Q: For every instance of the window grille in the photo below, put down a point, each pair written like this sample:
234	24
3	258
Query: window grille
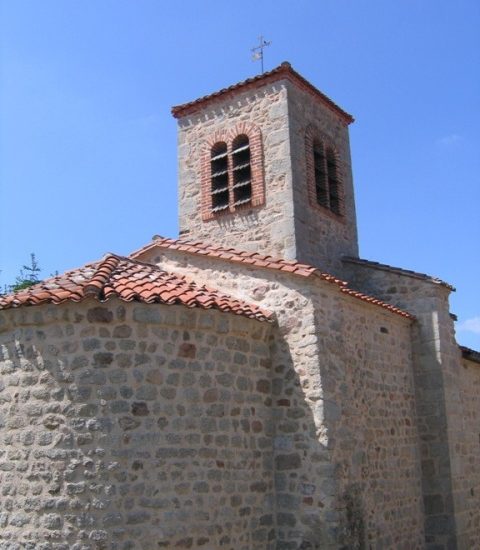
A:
323	175
242	172
333	191
320	167
219	177
232	176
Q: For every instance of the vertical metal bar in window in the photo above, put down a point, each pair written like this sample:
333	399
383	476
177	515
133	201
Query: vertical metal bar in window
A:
320	168
219	177
333	187
241	170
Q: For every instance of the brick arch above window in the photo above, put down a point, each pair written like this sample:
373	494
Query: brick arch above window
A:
324	173
245	173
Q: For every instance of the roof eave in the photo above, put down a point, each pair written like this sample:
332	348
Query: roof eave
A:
304	270
284	70
470	354
399	271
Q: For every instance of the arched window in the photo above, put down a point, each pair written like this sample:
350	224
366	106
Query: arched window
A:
232	171
219	177
242	172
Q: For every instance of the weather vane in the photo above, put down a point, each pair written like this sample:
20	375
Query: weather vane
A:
258	50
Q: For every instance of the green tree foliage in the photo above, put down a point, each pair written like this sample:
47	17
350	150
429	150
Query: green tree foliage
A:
29	275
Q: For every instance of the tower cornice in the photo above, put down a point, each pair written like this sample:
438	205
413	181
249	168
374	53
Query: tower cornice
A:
283	71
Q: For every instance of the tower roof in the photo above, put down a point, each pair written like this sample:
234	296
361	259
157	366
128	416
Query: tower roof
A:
283	71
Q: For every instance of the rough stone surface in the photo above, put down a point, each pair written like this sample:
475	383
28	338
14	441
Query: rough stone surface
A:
264	229
321	237
447	405
466	459
152	444
343	401
286	225
340	426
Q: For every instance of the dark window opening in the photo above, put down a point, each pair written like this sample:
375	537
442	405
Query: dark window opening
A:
242	173
219	177
327	184
333	182
320	174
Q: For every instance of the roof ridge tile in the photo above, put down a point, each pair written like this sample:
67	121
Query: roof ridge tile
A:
286	266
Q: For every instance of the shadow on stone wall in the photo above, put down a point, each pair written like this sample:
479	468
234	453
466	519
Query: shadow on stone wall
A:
136	434
127	427
306	513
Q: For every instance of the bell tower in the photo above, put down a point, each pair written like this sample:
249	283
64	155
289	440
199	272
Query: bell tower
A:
264	166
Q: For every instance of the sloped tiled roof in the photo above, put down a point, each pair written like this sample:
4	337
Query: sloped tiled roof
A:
129	280
401	271
284	70
376	302
238	256
259	260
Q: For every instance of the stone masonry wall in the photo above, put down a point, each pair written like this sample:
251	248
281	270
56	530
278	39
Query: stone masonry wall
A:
322	237
368	401
438	381
467	454
346	444
287	225
134	426
267	229
299	455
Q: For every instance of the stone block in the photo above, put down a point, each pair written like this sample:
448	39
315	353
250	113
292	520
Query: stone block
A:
99	315
290	461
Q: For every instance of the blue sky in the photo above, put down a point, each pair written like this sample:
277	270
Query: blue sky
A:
88	145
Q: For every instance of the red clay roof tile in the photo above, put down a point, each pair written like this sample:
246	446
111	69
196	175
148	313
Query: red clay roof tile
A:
377	302
236	256
289	266
129	280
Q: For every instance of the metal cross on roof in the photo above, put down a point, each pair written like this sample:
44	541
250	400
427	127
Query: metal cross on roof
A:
258	50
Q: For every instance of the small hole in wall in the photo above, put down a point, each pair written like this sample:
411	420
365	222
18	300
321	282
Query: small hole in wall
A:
472	492
384	330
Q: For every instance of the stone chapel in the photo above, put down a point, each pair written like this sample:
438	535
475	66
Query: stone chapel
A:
251	385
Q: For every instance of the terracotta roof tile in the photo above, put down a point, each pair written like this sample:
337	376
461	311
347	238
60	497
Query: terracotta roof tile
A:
284	70
249	258
129	280
236	256
408	272
377	302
